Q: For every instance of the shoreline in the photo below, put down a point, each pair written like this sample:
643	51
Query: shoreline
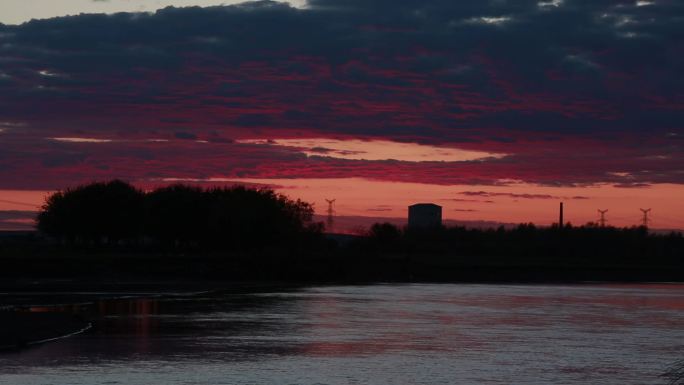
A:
163	273
22	329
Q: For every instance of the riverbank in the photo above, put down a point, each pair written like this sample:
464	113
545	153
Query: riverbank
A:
22	329
114	271
386	254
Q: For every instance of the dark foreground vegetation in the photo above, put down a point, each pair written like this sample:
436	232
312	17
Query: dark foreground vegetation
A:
115	232
589	242
175	217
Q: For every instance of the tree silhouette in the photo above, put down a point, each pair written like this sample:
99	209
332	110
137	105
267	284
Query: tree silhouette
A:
96	213
177	216
589	242
242	218
386	233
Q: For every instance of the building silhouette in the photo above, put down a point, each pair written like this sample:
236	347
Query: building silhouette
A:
424	215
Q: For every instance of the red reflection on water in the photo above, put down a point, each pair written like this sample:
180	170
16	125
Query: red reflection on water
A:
120	315
337	333
125	316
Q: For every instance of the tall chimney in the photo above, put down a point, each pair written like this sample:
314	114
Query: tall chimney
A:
560	216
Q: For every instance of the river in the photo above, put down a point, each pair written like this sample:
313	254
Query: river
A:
375	334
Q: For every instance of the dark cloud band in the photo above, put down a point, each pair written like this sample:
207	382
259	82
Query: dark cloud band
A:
575	91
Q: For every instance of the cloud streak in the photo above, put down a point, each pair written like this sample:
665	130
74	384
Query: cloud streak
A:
17	220
485	194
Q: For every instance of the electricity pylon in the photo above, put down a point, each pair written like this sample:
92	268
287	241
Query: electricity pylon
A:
331	214
602	220
645	219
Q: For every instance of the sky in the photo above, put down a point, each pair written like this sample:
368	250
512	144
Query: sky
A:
497	110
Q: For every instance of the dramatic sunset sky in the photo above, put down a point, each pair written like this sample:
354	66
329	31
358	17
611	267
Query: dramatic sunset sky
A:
495	109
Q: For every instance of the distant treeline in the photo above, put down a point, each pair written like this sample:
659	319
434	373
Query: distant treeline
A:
193	220
527	240
177	216
244	234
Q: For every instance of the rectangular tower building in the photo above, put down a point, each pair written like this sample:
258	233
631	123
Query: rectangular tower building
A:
424	215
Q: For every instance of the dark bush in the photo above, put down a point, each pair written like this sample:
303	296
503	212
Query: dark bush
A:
177	216
96	213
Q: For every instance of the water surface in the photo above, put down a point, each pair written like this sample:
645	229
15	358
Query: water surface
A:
382	334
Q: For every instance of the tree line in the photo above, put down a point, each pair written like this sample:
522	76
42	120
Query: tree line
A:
185	217
527	240
178	216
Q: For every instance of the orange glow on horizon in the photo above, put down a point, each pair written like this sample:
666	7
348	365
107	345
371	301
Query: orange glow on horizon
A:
22	200
512	203
362	197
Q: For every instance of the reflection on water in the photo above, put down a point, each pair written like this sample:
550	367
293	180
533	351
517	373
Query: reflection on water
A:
384	334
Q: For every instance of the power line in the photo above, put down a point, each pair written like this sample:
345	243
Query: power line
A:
664	220
19	203
661	215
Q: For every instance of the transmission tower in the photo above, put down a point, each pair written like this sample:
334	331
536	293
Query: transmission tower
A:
602	220
331	214
645	219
